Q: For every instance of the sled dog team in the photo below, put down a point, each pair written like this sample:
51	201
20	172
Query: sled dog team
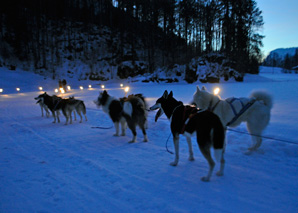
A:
55	104
208	119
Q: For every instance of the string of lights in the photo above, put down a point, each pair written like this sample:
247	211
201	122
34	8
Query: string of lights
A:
69	88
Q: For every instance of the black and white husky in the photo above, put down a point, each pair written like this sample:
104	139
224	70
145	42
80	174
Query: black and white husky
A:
67	106
187	120
130	111
255	111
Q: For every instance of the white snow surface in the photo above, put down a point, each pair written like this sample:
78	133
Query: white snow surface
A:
46	167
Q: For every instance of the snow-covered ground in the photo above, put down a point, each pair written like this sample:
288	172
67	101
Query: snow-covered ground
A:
46	167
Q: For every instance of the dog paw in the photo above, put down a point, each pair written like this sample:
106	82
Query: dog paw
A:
191	158
116	135
145	140
248	152
132	141
123	134
205	179
253	148
219	173
174	163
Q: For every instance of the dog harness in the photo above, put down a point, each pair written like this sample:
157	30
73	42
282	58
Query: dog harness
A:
56	103
180	104
230	102
188	113
243	109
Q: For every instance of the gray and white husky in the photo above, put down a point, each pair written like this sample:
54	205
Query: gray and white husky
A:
255	111
73	105
130	110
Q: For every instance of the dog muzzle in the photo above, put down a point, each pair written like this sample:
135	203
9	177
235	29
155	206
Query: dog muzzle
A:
154	107
159	112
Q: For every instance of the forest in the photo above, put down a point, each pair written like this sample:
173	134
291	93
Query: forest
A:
45	35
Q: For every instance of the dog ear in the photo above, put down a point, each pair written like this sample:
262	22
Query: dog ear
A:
198	88
171	94
204	88
165	94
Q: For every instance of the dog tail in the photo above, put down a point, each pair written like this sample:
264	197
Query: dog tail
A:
143	104
263	96
127	108
134	104
84	107
143	100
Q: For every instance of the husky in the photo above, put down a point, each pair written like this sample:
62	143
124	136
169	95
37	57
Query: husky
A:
50	102
74	112
255	111
67	106
187	120
42	106
129	111
145	106
72	105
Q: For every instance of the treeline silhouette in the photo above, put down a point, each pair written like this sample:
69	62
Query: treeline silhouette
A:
160	32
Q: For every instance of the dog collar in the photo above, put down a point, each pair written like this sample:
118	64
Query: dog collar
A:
174	111
210	108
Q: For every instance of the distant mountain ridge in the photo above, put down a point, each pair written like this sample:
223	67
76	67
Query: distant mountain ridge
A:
282	52
282	57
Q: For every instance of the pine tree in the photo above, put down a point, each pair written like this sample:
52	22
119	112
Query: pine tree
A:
287	62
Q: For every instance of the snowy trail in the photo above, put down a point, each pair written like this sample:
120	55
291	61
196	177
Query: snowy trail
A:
46	167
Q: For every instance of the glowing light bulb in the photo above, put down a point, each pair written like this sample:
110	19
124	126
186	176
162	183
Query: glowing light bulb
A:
81	88
56	90
216	91
90	86
68	88
18	89
40	88
126	89
102	86
121	85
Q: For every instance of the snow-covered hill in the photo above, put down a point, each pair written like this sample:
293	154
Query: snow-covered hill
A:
46	167
282	52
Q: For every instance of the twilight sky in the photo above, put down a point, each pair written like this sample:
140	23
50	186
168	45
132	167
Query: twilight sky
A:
281	24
